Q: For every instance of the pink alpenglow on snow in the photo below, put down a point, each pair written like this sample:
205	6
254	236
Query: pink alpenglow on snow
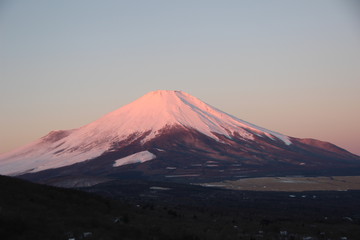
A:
149	114
138	157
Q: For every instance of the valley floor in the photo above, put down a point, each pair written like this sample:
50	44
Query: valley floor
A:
163	210
218	213
291	184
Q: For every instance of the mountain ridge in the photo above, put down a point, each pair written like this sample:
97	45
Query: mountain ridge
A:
191	128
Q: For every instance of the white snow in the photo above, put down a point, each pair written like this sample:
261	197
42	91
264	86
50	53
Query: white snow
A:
161	108
151	113
139	157
160	150
170	168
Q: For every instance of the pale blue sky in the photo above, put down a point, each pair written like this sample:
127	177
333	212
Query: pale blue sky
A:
289	66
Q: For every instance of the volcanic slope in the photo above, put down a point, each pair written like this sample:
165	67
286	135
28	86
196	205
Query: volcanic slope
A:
174	136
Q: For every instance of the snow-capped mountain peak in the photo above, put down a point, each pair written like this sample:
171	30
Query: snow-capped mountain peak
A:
148	115
161	108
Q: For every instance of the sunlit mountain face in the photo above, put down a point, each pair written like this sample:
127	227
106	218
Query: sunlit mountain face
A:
171	136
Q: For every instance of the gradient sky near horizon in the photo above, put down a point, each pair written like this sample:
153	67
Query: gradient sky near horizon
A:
289	66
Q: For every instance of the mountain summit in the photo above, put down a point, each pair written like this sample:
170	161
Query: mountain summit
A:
164	109
171	133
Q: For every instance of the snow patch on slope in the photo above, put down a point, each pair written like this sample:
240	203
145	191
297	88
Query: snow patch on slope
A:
139	157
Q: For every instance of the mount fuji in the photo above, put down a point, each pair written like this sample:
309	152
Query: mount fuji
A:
173	136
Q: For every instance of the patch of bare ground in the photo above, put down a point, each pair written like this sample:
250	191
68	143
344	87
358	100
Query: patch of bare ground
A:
291	184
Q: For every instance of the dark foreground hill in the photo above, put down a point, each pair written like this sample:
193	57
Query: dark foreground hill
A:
150	210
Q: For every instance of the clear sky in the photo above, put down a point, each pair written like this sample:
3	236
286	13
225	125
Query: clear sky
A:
289	66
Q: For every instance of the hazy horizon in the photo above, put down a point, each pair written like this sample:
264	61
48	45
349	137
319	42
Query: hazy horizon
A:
292	68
